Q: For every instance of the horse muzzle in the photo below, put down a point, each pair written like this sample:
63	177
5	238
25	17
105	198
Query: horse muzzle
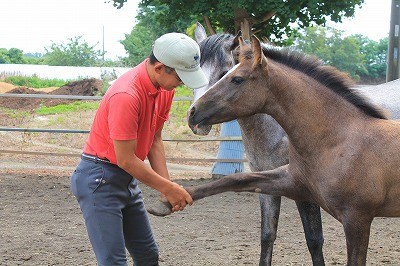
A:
194	122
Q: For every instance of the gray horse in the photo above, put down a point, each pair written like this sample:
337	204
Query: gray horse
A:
387	95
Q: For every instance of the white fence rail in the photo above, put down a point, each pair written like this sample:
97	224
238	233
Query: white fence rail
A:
80	97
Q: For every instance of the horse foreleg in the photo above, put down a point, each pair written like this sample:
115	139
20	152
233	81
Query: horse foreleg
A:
270	209
310	214
357	231
276	182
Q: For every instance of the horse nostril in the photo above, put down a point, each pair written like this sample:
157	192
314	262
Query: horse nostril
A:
192	111
190	114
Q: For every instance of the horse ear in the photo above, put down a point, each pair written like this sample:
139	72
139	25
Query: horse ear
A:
200	33
242	44
258	56
234	48
235	41
245	50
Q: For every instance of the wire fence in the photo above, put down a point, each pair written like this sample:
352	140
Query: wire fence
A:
73	131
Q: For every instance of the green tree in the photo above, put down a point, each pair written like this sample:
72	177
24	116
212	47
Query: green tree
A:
313	40
4	59
150	26
16	56
34	58
375	53
275	19
76	52
138	44
11	56
272	18
361	57
346	56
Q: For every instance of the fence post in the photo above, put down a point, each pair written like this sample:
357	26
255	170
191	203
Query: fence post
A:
229	150
393	68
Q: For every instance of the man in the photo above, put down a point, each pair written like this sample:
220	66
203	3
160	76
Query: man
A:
127	129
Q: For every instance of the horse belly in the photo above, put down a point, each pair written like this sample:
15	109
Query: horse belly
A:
384	167
391	206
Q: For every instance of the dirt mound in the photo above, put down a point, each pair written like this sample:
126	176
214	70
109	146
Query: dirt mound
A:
5	87
21	103
85	87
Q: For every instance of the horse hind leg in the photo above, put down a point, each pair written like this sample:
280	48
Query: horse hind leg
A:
310	215
270	209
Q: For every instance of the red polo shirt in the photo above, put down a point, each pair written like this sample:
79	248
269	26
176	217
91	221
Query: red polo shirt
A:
132	108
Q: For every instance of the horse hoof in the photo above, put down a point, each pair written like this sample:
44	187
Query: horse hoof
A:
162	209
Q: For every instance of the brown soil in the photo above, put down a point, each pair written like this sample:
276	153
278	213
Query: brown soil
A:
5	87
86	87
41	224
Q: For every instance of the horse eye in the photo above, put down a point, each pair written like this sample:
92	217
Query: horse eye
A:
237	80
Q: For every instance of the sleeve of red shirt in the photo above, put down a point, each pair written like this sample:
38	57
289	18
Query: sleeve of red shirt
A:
123	116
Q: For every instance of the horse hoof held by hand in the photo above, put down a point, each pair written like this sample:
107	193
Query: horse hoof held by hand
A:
160	209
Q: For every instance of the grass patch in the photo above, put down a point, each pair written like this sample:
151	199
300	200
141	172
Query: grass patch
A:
67	108
179	108
183	91
14	113
34	82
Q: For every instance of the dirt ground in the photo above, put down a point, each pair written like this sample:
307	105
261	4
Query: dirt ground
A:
41	224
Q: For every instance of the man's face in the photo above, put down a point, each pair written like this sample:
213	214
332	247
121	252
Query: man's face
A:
169	79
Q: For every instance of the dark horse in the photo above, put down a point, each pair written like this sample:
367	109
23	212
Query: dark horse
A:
266	143
343	152
266	146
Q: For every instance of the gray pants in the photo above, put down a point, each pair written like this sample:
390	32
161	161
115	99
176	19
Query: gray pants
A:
114	213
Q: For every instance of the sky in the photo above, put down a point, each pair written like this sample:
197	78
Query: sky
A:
32	25
371	20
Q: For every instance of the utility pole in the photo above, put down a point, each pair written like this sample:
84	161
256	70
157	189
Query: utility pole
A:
103	44
393	70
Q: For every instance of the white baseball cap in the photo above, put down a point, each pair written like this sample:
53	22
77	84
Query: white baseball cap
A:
179	51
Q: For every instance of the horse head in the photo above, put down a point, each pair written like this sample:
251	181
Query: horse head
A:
233	95
218	55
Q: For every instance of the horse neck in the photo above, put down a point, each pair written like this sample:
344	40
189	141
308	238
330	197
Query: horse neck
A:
265	142
306	109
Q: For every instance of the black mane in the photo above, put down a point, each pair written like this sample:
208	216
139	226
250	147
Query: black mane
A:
332	78
213	48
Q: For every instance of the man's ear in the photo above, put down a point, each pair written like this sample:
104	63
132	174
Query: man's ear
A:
158	67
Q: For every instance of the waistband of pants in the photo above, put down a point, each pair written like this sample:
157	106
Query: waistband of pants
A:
93	158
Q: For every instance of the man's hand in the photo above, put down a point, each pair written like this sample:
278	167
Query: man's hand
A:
178	197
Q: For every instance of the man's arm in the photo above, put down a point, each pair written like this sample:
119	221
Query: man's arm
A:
156	156
177	196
